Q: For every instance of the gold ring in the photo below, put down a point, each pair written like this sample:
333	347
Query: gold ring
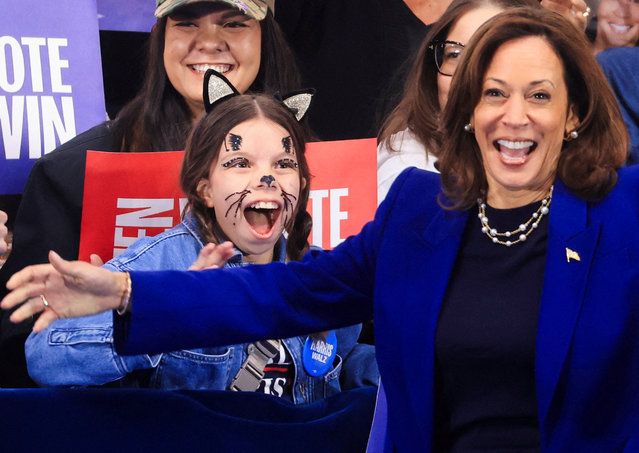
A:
44	301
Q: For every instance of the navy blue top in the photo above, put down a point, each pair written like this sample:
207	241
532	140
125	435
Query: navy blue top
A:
485	339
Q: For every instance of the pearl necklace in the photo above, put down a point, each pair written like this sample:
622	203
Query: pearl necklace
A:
523	231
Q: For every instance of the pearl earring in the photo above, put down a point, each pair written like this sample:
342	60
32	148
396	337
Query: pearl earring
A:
469	128
571	135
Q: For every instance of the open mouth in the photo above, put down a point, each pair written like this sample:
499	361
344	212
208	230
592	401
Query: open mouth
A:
514	152
202	68
262	215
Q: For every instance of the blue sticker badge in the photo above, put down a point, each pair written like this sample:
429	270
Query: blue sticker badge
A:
318	354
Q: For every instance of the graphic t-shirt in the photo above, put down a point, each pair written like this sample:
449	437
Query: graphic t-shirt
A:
278	375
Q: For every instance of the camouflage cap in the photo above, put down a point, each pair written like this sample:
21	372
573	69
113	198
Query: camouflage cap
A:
255	9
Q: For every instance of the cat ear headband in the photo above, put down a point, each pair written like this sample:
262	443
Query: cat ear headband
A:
218	89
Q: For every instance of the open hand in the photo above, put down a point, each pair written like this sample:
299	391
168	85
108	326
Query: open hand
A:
70	288
213	256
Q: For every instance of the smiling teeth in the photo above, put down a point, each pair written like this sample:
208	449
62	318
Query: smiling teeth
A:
515	145
204	67
620	28
264	205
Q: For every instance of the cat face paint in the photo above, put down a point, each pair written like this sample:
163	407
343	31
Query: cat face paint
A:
254	189
287	143
267	179
232	142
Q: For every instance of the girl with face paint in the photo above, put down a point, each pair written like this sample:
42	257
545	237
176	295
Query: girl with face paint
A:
246	179
246	45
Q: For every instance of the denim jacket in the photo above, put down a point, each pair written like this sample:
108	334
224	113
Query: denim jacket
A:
80	351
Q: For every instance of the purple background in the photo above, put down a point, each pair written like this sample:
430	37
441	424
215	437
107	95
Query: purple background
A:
126	15
77	22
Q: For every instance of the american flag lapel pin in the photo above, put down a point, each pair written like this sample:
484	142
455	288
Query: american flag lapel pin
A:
572	255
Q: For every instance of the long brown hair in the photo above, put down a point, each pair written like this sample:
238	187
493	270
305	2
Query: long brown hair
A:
587	165
158	119
203	148
419	108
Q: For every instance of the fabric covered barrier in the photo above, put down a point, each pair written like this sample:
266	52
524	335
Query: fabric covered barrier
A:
101	420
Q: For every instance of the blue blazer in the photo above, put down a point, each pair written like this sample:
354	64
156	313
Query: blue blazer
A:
397	268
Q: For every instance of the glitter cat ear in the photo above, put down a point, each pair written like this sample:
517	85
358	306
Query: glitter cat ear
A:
217	89
298	102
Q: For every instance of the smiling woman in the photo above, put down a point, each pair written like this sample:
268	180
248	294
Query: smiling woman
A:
524	120
521	121
202	36
411	136
617	24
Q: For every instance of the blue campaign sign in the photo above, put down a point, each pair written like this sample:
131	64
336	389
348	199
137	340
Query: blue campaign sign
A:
130	15
50	81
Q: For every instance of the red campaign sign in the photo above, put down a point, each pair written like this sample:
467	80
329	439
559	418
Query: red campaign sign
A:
131	195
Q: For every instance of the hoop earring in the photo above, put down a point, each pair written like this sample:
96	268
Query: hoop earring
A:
469	128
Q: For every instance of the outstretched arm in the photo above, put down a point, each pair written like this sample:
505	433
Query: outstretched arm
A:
75	288
70	288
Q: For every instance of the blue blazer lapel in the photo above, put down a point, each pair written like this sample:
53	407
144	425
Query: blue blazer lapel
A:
432	258
571	247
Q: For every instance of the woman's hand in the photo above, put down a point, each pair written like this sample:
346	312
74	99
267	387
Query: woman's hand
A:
576	11
3	232
70	288
213	256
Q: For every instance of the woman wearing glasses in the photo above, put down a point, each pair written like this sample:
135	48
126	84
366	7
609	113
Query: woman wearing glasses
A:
409	136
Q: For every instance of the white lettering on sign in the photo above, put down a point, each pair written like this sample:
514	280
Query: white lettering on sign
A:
317	199
335	215
49	120
11	50
57	64
35	62
53	125
141	219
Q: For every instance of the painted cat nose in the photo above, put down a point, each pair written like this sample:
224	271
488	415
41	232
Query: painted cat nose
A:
267	179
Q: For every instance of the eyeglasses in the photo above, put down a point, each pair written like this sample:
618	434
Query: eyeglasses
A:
447	56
